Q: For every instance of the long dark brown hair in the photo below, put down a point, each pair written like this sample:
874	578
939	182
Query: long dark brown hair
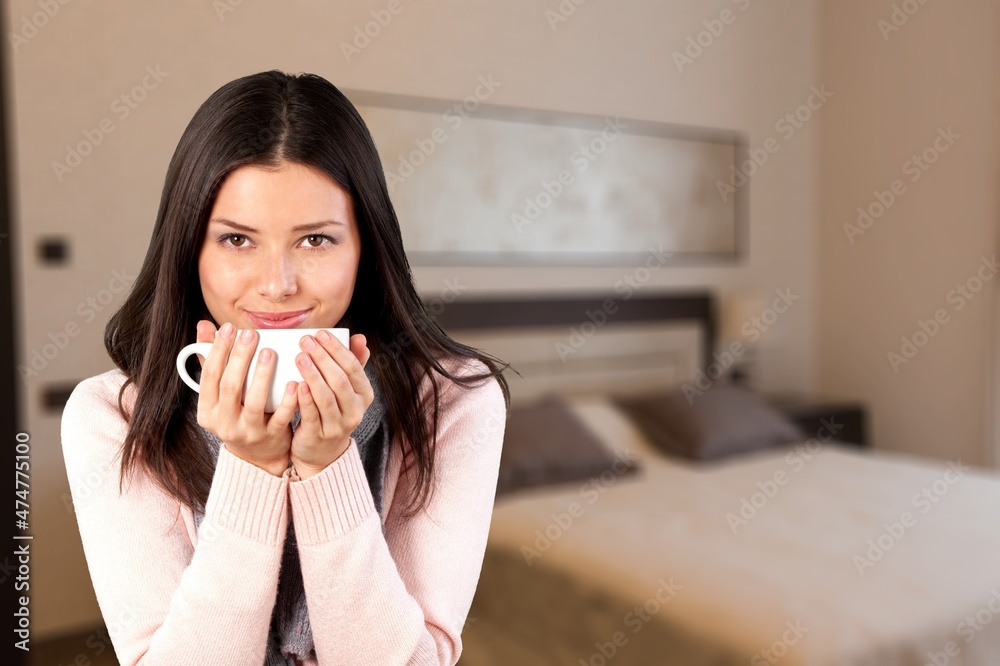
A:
264	120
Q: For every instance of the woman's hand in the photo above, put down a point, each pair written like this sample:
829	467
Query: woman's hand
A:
332	400
246	430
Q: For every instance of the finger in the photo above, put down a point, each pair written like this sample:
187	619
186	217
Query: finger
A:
215	364
333	376
326	401
359	347
235	374
205	332
348	362
285	412
260	387
308	411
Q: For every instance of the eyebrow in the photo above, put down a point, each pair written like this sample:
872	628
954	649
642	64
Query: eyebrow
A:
312	226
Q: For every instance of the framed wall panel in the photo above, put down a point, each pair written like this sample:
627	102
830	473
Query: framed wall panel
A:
474	184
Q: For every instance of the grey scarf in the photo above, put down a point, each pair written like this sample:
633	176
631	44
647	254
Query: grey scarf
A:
291	633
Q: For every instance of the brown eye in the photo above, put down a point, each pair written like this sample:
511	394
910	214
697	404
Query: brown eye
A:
316	240
237	240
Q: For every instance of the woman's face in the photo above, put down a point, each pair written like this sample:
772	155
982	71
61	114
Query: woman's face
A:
281	250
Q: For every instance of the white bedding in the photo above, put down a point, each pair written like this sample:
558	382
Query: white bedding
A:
786	587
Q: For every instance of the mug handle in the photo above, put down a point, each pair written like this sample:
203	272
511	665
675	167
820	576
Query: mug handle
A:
194	348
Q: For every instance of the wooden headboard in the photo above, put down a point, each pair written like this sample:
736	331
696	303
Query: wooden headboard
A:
589	342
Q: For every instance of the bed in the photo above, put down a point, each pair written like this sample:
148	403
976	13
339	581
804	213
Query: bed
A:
808	552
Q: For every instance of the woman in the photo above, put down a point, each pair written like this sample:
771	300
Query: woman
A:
349	526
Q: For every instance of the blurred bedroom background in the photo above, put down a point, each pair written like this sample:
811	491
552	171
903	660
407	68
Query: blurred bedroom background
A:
745	228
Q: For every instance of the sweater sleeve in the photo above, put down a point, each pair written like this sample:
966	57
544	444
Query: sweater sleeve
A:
402	598
165	600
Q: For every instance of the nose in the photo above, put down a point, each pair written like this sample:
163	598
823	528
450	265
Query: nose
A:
278	278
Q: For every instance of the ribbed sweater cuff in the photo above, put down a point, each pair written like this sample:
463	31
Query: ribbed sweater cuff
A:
247	499
333	502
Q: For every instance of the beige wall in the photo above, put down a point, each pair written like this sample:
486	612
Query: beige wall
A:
940	69
612	58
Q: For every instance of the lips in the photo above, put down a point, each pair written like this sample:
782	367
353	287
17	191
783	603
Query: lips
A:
277	319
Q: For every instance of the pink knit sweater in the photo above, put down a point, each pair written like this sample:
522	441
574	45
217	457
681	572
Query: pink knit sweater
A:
174	596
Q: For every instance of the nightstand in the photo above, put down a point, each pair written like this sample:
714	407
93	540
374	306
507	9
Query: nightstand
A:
813	413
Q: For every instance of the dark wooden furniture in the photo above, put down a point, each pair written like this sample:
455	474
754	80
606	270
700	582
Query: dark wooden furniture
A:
846	420
562	309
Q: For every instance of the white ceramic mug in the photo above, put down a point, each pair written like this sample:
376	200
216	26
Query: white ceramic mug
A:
284	342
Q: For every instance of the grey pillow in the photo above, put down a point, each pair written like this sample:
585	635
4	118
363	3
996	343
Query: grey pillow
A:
723	421
546	444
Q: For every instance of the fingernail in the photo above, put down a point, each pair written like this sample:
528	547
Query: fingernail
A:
246	336
324	335
308	343
226	330
305	361
265	355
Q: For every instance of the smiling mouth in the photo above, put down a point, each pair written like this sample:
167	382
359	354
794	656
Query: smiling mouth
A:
277	319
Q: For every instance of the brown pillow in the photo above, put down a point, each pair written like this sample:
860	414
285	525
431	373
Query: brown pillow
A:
723	421
546	444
